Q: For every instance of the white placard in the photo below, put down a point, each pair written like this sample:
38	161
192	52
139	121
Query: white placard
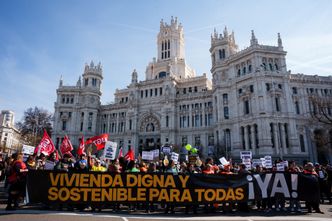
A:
280	167
29	150
247	162
110	150
256	162
246	155
166	150
49	165
147	155
263	161
155	153
223	161
175	157
268	162
321	174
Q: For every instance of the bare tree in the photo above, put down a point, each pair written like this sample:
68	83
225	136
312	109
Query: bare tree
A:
33	123
321	109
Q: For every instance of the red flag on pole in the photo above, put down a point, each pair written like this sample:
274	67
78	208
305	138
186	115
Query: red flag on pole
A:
99	141
81	148
66	146
45	146
130	155
120	153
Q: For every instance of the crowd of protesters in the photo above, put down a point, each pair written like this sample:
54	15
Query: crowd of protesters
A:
14	170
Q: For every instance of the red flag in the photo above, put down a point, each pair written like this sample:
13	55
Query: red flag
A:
130	155
120	153
99	141
45	146
81	148
66	146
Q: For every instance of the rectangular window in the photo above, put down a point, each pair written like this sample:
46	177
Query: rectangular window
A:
277	104
246	107
184	91
146	93
190	90
302	143
195	89
197	141
297	107
294	89
251	88
64	125
130	124
151	92
225	99
267	86
167	121
155	92
81	129
226	114
160	91
142	94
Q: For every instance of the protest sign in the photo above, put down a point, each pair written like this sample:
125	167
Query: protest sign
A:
147	155
156	154
175	157
280	167
110	150
28	150
223	161
247	162
166	150
256	162
268	162
246	154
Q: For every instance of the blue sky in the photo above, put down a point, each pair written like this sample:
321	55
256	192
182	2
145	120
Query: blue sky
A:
40	40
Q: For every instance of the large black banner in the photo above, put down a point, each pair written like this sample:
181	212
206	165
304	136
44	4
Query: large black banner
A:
78	188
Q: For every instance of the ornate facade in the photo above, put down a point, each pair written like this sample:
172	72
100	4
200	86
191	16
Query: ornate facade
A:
9	135
252	103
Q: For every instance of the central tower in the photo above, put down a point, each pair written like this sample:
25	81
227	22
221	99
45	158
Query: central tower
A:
170	41
171	56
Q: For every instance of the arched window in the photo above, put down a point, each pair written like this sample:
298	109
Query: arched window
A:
249	68
271	67
276	66
238	72
264	66
244	70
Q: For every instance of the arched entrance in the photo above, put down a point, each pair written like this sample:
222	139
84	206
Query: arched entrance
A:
149	133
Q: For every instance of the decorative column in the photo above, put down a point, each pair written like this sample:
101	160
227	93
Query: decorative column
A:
283	138
253	139
246	137
275	138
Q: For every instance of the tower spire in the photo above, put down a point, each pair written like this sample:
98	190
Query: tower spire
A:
225	32
60	81
253	40
279	41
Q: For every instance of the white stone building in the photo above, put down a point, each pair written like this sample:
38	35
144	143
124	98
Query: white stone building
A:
9	135
252	103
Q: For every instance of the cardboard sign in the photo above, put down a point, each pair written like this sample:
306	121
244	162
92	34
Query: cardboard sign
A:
110	150
280	167
28	150
223	161
268	162
147	155
175	157
246	155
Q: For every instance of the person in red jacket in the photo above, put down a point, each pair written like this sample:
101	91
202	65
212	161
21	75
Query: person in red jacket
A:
16	180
